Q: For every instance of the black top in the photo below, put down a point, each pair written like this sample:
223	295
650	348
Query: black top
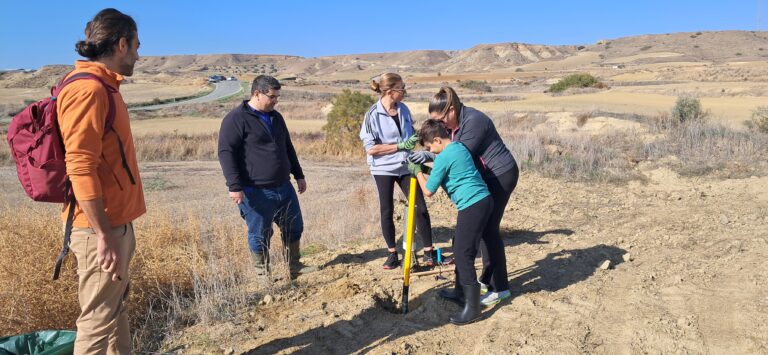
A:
478	133
396	118
250	156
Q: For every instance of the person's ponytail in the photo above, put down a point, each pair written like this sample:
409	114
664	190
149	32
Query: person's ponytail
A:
443	100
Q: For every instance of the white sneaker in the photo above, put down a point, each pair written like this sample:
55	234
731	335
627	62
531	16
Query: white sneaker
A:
492	298
483	288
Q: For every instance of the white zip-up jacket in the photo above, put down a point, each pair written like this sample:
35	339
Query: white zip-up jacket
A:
379	128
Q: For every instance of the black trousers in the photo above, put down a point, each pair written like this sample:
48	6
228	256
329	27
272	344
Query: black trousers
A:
494	260
385	185
470	229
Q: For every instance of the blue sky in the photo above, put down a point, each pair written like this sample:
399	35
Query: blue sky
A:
35	33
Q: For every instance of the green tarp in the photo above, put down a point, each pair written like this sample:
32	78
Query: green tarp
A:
45	342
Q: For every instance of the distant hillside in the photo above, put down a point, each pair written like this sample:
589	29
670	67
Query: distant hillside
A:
46	76
717	46
691	46
212	62
411	61
487	57
687	46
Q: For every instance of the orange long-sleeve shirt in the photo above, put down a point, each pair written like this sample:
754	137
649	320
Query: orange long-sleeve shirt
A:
93	158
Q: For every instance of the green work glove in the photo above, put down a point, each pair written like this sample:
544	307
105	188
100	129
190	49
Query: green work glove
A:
409	143
414	168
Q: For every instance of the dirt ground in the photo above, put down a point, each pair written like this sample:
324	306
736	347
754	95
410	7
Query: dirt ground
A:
687	257
688	274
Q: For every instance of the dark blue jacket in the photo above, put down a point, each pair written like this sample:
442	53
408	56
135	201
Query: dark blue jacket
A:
250	156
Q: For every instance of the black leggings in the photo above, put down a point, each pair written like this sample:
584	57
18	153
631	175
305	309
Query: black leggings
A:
470	225
494	260
385	185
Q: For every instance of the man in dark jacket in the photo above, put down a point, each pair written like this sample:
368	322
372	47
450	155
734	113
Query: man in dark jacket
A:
257	158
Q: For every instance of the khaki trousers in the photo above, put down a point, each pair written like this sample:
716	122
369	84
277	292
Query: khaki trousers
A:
102	327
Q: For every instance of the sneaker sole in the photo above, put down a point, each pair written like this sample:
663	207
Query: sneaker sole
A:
493	303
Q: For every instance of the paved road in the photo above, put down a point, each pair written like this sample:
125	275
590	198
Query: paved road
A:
223	89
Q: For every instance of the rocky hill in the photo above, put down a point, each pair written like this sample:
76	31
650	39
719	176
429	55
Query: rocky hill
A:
689	46
487	57
717	47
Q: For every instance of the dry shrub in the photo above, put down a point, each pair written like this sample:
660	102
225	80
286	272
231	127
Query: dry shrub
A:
581	118
688	108
583	158
344	121
759	119
578	80
476	85
660	123
702	147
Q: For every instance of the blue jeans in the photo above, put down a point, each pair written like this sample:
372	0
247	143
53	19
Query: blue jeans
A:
262	206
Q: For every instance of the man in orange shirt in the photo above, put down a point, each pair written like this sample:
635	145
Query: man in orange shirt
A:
102	167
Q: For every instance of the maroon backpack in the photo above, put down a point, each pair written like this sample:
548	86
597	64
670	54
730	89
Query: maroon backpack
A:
38	150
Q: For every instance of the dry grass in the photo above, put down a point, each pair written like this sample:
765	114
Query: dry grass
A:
700	148
606	158
5	150
184	272
760	119
203	146
190	267
7	111
581	118
732	111
145	93
176	147
30	239
165	263
695	148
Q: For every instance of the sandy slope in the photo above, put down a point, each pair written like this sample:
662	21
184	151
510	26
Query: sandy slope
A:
695	280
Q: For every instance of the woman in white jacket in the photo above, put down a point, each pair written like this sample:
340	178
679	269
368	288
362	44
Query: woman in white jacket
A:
388	136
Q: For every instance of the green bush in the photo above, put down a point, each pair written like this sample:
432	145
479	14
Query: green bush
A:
574	81
344	121
760	119
476	85
688	108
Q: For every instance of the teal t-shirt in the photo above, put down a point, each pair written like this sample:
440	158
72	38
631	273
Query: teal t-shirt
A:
455	171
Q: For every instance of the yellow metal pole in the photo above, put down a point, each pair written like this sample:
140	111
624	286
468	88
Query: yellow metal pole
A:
409	241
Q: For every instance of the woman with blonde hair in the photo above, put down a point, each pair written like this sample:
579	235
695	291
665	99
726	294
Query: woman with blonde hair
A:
498	169
388	137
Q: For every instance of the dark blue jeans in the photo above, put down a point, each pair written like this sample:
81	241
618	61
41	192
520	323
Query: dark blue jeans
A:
263	206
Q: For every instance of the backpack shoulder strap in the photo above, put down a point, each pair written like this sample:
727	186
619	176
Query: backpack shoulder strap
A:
110	120
88	76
